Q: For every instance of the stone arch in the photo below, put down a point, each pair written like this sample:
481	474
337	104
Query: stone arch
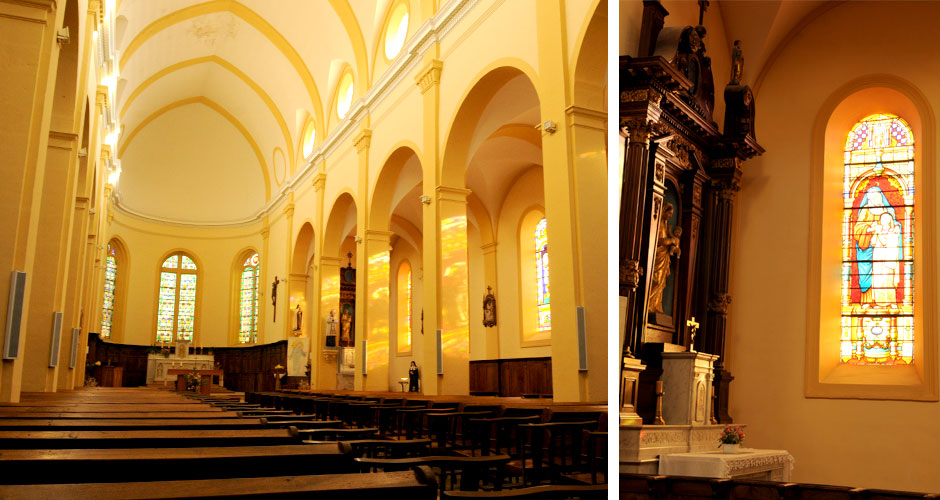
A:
387	184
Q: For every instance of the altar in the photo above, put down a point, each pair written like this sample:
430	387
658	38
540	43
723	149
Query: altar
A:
747	463
157	366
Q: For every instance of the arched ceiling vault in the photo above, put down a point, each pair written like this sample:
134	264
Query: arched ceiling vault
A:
256	63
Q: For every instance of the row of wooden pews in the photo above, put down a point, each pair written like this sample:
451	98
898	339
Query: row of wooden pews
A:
524	442
149	443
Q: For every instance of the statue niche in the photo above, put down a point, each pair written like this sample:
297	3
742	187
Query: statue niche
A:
662	282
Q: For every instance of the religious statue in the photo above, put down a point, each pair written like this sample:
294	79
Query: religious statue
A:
737	63
331	329
667	246
274	296
345	328
489	308
413	377
878	251
300	318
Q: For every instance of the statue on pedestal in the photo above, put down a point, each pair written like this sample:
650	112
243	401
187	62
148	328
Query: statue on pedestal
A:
667	246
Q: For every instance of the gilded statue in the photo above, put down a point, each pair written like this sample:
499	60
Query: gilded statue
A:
667	246
737	63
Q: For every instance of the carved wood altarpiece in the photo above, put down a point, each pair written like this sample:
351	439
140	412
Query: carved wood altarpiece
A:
677	164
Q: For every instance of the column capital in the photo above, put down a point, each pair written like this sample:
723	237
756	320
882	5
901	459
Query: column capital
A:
429	75
101	96
447	193
488	248
379	235
319	181
105	154
362	140
96	7
289	209
265	231
331	261
726	177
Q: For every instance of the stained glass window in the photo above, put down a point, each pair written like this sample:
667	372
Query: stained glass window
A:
107	308
176	308
543	302
878	243
248	300
404	308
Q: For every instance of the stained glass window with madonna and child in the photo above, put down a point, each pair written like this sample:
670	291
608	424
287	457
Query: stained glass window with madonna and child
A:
878	243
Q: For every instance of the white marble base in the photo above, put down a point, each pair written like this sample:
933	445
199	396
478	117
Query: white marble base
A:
747	463
642	445
157	366
687	387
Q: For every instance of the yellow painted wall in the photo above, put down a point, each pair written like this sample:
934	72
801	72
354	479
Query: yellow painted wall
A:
215	250
525	194
879	444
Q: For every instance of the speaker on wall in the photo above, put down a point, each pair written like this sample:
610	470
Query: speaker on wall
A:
76	332
56	336
440	353
364	358
582	341
11	338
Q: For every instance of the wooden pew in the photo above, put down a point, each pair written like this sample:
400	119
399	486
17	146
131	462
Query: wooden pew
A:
17	440
548	492
77	424
167	464
384	448
124	414
419	484
472	471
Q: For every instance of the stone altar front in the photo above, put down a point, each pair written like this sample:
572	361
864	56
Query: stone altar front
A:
642	445
747	463
157	366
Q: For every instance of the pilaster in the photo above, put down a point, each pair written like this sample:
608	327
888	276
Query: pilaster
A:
361	142
492	280
377	251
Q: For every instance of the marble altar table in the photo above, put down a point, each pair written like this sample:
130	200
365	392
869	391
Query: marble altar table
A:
747	463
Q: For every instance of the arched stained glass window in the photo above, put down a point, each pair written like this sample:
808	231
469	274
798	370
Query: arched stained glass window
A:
248	300
878	243
541	272
107	307
176	311
404	308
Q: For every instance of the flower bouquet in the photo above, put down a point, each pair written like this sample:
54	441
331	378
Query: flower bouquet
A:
731	438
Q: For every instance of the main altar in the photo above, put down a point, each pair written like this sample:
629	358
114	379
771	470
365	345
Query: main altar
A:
158	365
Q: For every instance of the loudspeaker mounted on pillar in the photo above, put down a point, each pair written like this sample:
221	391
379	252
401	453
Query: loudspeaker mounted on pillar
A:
11	339
582	341
440	353
74	357
364	358
56	337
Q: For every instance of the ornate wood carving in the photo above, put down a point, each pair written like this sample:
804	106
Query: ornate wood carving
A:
667	96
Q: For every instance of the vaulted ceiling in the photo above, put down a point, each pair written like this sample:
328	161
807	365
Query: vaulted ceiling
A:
213	96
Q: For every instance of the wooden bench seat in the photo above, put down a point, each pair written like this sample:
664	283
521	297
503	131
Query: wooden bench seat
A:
334	434
548	492
16	440
417	485
471	471
120	414
167	464
304	424
128	423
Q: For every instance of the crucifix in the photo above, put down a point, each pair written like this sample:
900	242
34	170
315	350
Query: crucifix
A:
702	7
693	326
274	296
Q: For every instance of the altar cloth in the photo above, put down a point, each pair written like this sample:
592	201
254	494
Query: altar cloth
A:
747	463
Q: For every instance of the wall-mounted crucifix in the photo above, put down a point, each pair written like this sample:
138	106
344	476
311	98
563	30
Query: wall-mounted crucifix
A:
274	296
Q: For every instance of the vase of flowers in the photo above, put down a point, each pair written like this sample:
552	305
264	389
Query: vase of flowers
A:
730	439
